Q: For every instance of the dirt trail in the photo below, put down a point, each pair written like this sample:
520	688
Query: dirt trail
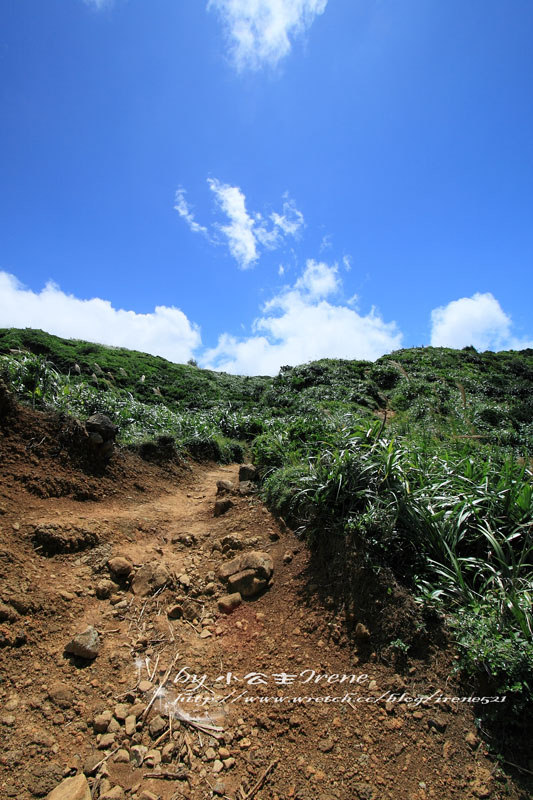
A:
339	741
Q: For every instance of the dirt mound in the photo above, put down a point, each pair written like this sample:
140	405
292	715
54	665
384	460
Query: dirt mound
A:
268	699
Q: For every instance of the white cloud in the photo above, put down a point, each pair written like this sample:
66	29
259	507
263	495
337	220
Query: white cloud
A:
244	233
299	325
478	320
260	31
183	209
164	332
239	232
318	280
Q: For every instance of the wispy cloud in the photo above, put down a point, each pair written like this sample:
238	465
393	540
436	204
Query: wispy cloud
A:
239	231
166	331
245	233
260	31
98	3
183	209
479	321
301	323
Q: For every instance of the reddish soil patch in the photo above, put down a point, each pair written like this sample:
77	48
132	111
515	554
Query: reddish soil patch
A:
344	738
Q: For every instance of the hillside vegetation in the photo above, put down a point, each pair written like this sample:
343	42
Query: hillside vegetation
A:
413	473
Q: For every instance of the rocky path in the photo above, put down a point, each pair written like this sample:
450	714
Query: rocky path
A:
168	696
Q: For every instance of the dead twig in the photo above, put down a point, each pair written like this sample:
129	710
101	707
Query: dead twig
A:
260	781
180	775
104	759
161	685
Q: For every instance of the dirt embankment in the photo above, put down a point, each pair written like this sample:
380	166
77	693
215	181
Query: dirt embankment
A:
169	696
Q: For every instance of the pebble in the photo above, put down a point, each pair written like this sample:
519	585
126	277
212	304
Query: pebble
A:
157	726
122	756
152	758
138	751
130	725
116	793
85	644
218	766
145	686
122	710
107	740
101	721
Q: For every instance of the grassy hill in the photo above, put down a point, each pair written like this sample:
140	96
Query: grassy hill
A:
411	474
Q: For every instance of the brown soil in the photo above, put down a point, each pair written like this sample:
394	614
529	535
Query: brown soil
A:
62	519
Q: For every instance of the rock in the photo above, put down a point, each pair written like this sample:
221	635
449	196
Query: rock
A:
116	793
229	602
361	632
101	721
184	580
106	740
75	788
157	726
247	583
91	763
210	754
145	686
175	611
85	645
229	762
190	610
152	758
247	472
260	562
61	695
149	578
219	788
146	795
122	756
130	725
137	753
122	710
105	588
326	745
120	566
224	487
472	740
246	488
221	507
287	558
231	542
101	424
438	722
218	766
7	614
229	568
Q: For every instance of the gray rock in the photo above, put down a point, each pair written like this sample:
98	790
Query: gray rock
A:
85	644
224	487
101	424
247	472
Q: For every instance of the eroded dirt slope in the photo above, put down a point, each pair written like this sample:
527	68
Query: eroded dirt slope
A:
123	718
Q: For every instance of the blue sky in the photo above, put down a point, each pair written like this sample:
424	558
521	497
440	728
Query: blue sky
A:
255	183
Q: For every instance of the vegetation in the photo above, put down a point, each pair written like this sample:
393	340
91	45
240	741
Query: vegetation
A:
417	467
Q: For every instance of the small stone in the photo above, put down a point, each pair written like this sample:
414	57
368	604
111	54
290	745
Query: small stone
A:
219	788
287	558
175	611
105	588
223	752
137	754
438	722
75	788
229	602
130	725
205	634
85	645
91	763
245	743
157	726
122	756
122	710
218	766
120	566
229	762
107	740
185	580
152	758
114	726
146	795
101	721
326	745
210	754
247	472
221	507
116	793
